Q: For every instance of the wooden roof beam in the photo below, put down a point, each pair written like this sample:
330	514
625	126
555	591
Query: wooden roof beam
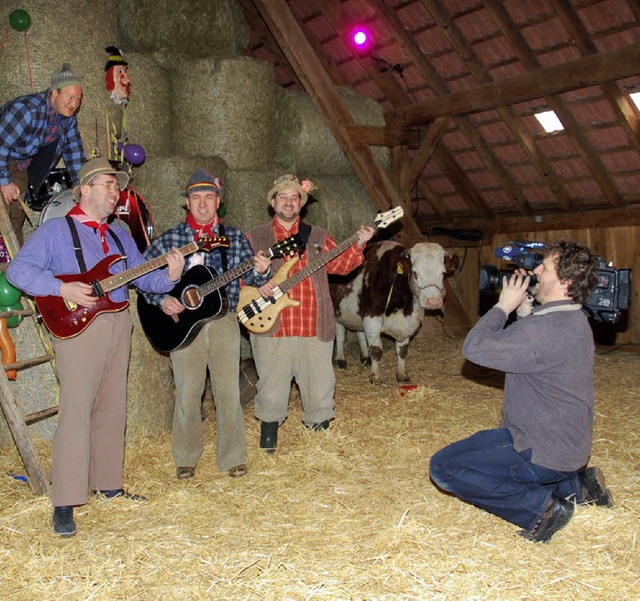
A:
397	96
621	103
461	182
587	71
511	120
423	154
315	79
530	61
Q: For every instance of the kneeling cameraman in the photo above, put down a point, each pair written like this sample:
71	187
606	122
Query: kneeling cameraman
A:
531	470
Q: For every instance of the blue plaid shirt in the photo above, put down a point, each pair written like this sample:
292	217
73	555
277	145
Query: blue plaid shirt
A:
26	125
239	252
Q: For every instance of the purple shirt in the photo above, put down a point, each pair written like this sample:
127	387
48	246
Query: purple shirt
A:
49	252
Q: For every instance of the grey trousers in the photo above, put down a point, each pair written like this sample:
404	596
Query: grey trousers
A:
217	346
308	360
88	446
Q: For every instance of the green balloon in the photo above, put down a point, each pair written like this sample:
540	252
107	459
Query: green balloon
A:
13	322
20	20
9	294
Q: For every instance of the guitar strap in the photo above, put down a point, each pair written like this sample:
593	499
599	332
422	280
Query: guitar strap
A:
304	231
223	250
78	248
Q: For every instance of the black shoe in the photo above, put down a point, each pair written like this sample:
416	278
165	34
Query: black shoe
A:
594	488
269	436
119	492
555	517
63	522
321	426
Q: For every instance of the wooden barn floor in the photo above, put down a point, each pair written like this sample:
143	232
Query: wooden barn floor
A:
344	514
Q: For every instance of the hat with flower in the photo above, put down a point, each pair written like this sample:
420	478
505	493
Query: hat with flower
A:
291	182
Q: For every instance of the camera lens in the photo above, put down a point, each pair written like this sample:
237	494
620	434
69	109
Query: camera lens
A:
490	279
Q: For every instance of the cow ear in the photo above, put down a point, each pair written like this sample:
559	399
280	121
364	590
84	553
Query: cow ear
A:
451	262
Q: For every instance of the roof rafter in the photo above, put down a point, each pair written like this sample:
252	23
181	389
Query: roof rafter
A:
515	125
309	69
581	73
531	62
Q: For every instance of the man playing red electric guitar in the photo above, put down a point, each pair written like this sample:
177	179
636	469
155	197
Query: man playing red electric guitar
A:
88	448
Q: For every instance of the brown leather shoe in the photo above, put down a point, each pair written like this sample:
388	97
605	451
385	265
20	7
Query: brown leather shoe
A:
183	473
238	471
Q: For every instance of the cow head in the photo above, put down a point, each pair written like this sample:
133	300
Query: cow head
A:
427	274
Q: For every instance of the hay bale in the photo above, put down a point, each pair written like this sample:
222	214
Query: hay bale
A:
305	142
334	195
161	180
225	109
94	26
150	388
149	108
179	31
246	196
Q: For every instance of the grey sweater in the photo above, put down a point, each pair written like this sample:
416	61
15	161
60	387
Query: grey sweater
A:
548	359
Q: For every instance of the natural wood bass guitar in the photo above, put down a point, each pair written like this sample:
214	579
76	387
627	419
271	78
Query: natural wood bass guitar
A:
200	291
259	314
66	319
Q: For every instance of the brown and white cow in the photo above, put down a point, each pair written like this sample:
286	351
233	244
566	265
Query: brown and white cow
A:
389	295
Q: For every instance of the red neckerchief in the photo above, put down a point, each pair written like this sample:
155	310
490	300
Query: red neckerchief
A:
79	215
199	229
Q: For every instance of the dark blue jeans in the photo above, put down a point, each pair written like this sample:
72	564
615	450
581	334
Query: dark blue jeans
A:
488	472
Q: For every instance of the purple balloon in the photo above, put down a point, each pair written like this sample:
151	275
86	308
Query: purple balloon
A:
134	154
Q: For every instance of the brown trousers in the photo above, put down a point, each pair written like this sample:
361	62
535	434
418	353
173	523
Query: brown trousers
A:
88	447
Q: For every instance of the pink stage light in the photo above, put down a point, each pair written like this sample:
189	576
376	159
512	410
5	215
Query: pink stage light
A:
361	39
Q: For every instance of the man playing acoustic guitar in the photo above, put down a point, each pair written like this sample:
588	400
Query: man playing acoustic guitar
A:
217	343
92	362
300	346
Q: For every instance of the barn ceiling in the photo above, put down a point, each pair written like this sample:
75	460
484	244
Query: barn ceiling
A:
460	82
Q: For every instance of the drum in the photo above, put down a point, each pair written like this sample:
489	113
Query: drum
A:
58	206
56	182
131	211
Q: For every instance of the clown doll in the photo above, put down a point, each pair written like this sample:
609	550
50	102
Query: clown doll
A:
119	85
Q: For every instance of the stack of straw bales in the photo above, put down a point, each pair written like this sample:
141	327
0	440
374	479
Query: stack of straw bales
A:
196	101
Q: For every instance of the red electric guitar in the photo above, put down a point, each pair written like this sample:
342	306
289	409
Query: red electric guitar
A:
65	319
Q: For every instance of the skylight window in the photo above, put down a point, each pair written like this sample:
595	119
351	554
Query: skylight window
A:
635	98
549	121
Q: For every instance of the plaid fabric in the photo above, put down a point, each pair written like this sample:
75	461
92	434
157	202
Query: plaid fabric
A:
239	252
28	123
302	320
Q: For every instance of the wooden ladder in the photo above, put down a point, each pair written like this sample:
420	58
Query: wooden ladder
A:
17	422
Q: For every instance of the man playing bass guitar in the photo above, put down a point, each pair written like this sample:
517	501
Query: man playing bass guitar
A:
301	345
217	343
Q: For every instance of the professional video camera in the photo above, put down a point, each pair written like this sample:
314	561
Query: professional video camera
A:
611	295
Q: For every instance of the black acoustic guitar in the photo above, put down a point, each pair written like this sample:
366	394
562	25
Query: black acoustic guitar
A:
201	291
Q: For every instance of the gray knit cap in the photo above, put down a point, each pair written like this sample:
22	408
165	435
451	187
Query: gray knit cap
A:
65	77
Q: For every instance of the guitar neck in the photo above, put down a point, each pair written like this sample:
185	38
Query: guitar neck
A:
126	276
226	277
319	262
